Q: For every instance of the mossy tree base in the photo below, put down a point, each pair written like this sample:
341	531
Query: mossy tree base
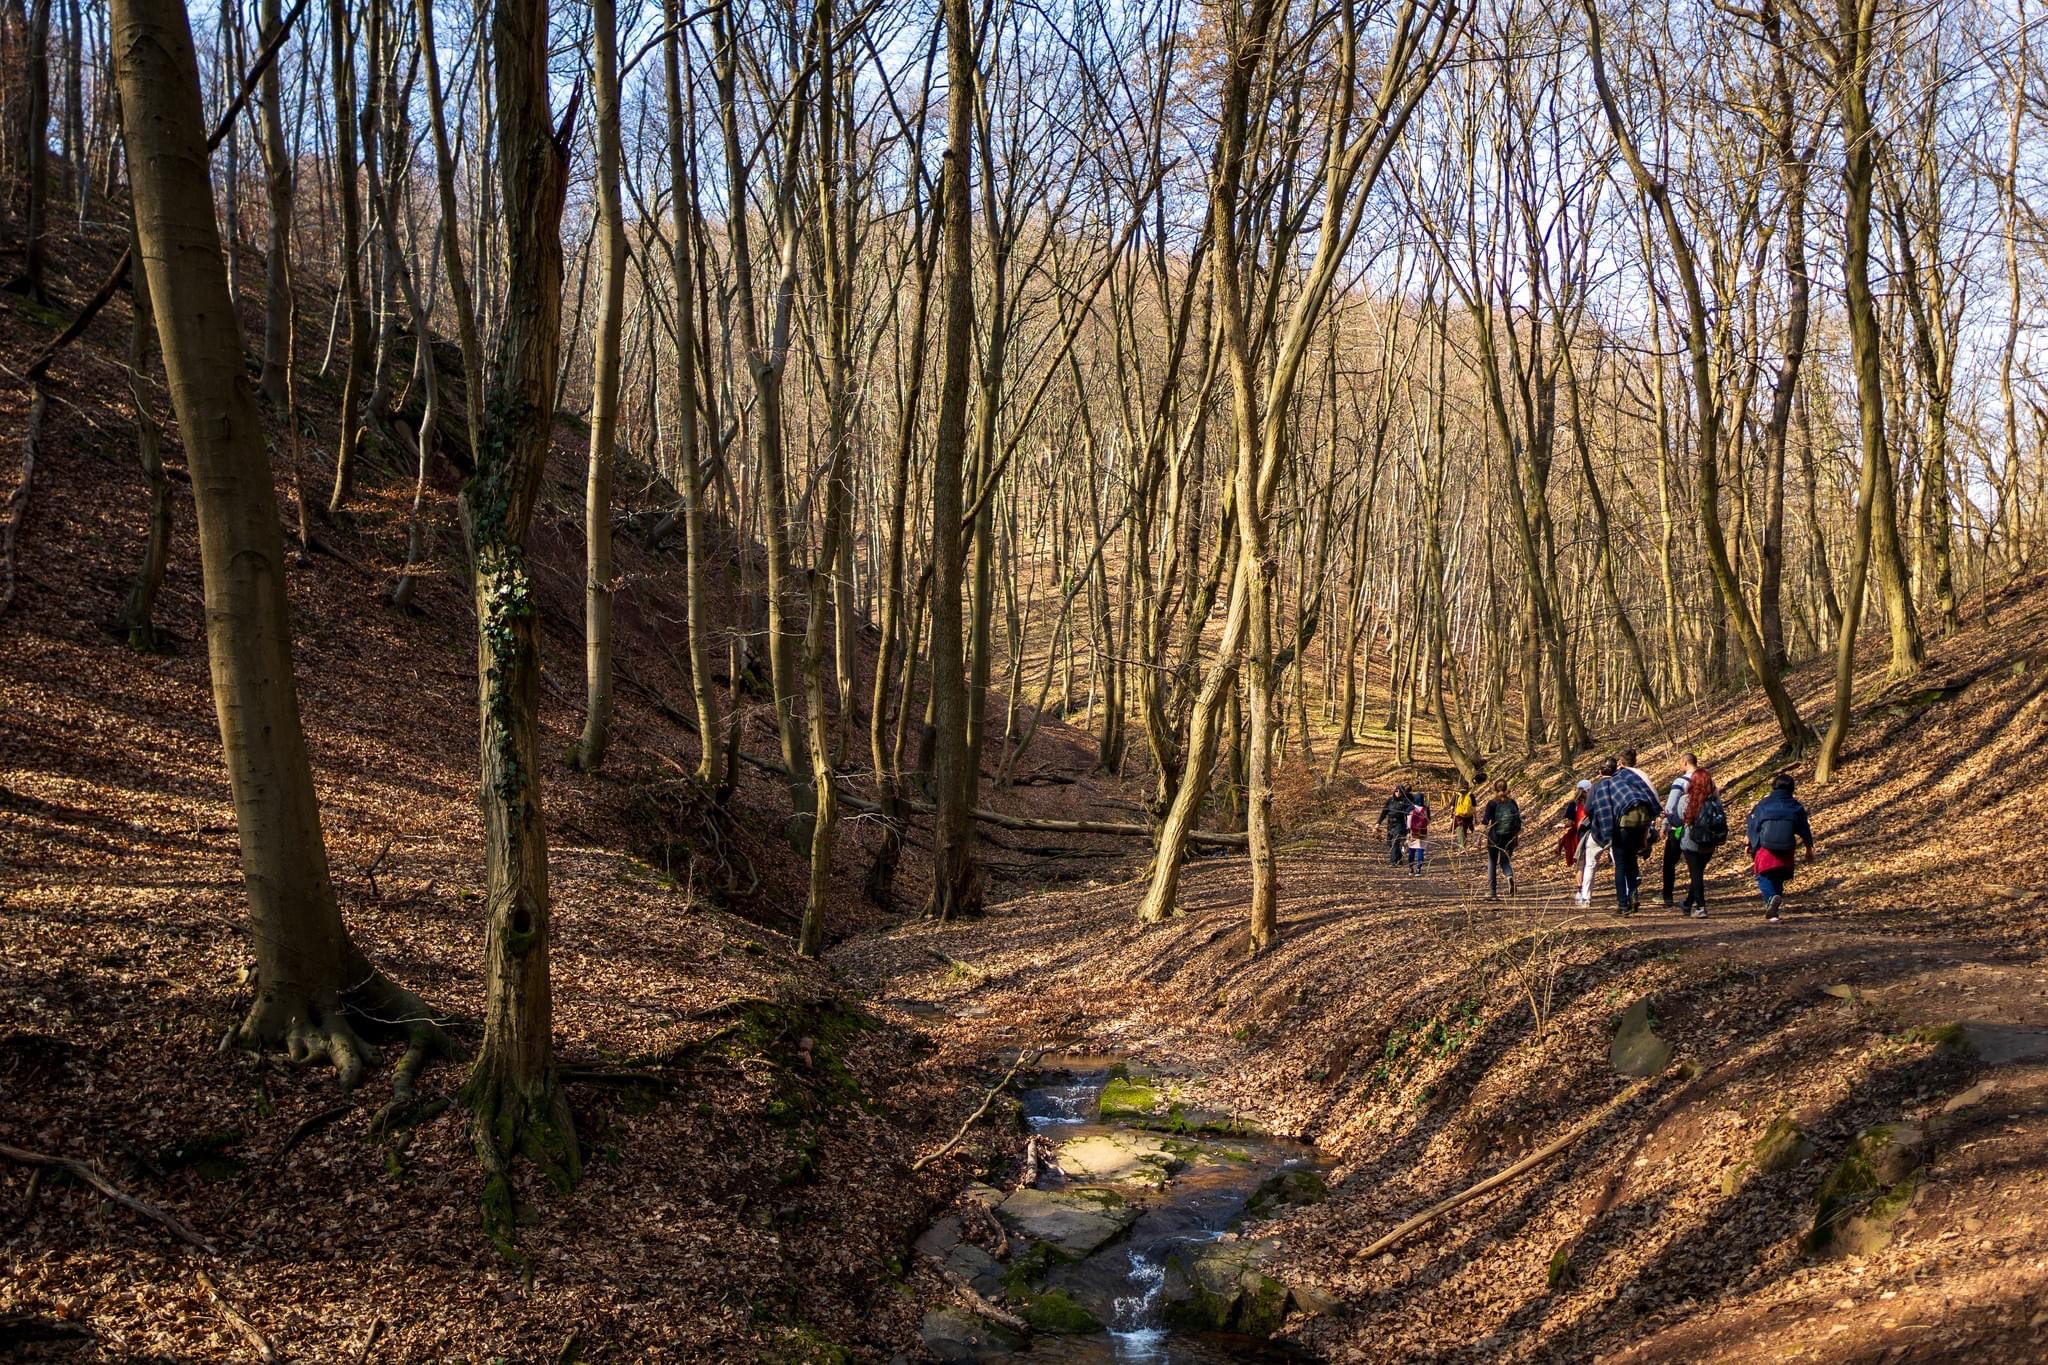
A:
512	1119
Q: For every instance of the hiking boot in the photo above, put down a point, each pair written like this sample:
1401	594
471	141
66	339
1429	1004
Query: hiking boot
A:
1775	911
1511	886
1669	903
1697	912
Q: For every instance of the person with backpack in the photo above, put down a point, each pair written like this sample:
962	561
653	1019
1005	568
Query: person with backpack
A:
1464	808
1394	816
1621	810
1503	821
1703	827
1777	824
1573	841
1418	834
1674	825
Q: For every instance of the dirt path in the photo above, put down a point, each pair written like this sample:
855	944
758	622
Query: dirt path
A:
1424	1038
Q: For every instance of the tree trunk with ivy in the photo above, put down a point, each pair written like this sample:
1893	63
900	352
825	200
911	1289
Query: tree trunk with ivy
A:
315	991
519	1106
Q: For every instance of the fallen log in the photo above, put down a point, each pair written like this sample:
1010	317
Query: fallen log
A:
1029	1058
1508	1176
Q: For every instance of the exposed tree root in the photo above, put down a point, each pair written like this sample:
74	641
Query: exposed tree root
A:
112	1191
309	1027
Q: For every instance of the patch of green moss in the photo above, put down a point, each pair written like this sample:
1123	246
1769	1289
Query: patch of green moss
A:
1560	1267
1782	1145
1124	1098
1294	1187
1263	1309
1055	1312
805	1345
1029	1270
1870	1185
1938	1035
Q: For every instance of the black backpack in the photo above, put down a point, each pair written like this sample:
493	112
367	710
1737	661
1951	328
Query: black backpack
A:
1709	829
1507	823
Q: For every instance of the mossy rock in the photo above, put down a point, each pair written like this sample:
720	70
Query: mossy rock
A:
803	1345
1029	1269
952	1335
1637	1050
1126	1099
1948	1036
1292	1188
1784	1144
1055	1312
1868	1189
1223	1287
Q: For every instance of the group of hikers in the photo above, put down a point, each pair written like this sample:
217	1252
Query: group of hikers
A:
1616	817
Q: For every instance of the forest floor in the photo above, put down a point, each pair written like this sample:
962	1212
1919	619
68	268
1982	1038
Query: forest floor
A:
1424	1039
752	1119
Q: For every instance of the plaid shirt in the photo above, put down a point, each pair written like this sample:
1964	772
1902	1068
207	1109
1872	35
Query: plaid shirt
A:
1610	797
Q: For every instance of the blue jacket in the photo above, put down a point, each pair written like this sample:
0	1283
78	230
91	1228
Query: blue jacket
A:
1777	823
1610	797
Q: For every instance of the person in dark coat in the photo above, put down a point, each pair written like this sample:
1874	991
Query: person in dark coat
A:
1620	810
1777	824
1394	816
1502	819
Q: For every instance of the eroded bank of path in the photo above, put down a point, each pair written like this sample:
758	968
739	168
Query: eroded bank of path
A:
1133	1239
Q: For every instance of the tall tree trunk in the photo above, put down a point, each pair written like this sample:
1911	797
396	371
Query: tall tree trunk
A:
956	883
137	621
604	398
836	248
683	182
1875	488
33	281
356	361
315	990
277	184
520	1108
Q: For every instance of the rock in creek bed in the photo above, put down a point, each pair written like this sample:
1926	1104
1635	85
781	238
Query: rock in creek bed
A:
1075	1223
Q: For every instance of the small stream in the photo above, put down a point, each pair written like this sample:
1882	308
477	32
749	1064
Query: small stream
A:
1122	1283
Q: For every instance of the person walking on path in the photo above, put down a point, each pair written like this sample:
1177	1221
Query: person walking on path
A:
1674	825
1418	834
1572	843
1621	809
1503	821
1703	827
1394	815
1464	807
1777	824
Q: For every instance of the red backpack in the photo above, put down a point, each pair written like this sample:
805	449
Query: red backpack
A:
1418	821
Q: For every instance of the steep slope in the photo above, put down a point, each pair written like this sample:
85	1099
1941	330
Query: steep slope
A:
751	1128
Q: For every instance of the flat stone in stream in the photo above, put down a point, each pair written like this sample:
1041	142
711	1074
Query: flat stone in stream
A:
1074	1223
1121	1158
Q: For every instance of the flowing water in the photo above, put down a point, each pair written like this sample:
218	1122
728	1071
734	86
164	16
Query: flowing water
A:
1122	1284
